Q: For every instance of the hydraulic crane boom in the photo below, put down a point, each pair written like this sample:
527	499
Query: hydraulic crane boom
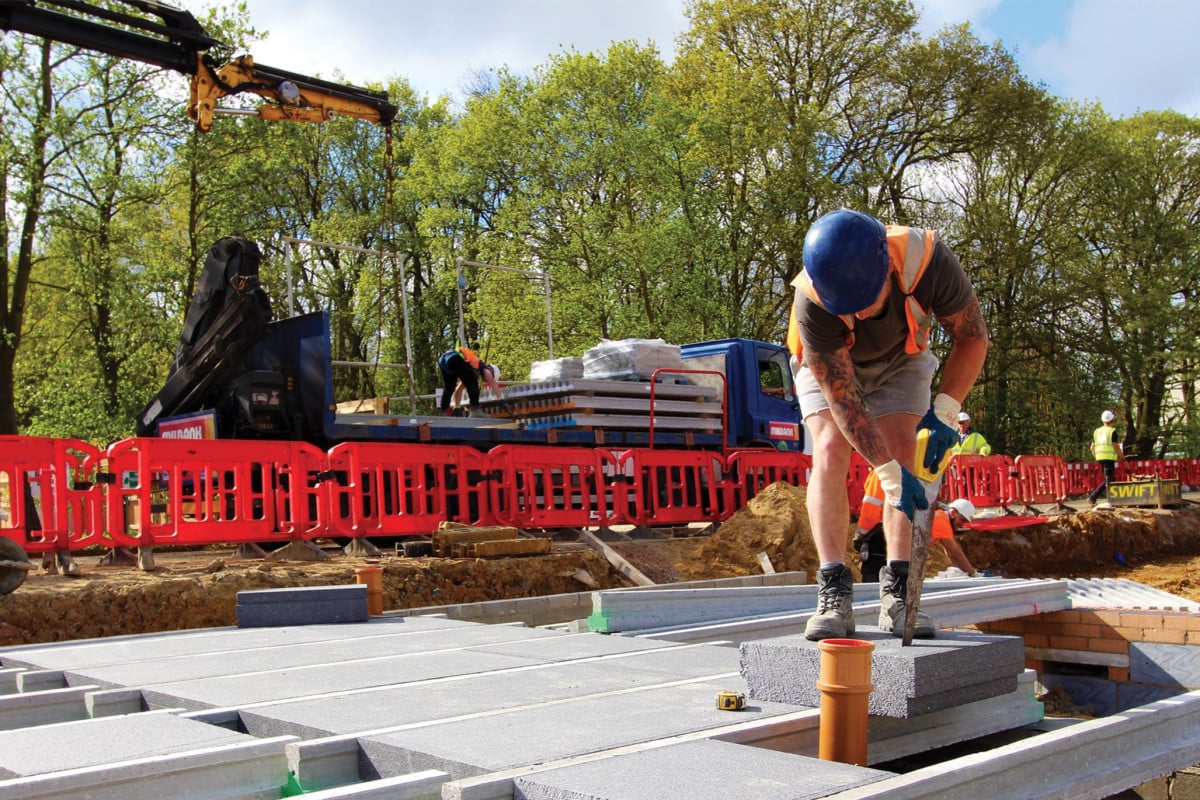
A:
178	42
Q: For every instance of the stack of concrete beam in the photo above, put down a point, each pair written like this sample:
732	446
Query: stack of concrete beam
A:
612	404
956	668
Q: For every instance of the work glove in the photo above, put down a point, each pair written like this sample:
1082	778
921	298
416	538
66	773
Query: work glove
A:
902	488
939	421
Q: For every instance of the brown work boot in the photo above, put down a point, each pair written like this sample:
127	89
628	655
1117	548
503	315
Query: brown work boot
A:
893	589
834	617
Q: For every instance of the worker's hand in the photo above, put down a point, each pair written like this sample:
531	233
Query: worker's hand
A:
939	421
902	488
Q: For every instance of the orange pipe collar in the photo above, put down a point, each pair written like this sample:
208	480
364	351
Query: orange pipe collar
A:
845	684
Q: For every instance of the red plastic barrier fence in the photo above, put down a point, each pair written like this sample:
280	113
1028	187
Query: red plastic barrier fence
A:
1189	471
379	489
751	471
1083	477
984	480
204	491
674	487
548	487
48	502
1041	479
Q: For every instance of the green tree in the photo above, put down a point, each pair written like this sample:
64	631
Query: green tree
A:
1140	225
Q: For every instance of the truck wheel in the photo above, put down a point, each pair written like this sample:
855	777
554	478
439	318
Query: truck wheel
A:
11	577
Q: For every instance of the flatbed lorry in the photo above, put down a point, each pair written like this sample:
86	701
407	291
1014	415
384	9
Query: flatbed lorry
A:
732	393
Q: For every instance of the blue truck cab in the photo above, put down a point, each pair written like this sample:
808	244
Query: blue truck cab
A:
761	401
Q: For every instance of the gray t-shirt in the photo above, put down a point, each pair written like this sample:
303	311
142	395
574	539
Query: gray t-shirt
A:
944	288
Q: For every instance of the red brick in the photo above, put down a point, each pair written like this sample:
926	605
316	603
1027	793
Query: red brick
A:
1114	632
1068	642
1080	629
1100	617
1107	646
1175	636
1062	616
1190	622
1142	619
1037	640
1120	674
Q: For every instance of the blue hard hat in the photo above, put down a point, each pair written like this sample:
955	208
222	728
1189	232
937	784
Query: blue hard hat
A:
846	258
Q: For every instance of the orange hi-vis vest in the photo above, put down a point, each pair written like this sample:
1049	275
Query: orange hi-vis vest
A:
909	252
469	355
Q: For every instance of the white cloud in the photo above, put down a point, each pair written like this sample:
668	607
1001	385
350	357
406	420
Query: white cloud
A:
437	45
1128	56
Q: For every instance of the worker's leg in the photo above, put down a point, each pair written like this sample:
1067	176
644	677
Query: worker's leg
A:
471	381
900	433
898	394
828	500
449	382
829	517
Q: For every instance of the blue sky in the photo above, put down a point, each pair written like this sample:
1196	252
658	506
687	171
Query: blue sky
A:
1128	55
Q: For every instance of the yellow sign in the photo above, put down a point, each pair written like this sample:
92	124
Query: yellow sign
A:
1153	492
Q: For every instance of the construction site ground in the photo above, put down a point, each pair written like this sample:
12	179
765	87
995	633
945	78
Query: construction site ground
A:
195	589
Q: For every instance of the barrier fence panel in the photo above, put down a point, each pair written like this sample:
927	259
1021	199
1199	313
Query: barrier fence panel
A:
984	480
381	489
1041	479
205	491
48	502
751	471
547	487
675	487
1082	477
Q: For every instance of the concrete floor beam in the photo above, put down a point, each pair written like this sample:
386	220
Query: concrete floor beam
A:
254	770
1095	758
30	709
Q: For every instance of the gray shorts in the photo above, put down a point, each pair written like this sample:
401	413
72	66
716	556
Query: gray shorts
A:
899	386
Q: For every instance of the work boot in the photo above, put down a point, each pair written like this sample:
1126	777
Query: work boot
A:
834	617
893	591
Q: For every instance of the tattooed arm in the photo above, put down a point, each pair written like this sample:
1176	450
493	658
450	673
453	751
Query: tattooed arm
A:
968	352
835	375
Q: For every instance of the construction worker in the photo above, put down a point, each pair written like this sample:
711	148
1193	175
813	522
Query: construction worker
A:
868	533
970	442
462	364
1106	450
858	334
872	547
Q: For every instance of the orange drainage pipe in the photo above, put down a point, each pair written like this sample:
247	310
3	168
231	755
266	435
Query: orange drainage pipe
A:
373	578
845	684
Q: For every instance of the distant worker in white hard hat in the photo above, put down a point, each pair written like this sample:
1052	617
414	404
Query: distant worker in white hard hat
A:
1107	451
858	333
948	520
970	441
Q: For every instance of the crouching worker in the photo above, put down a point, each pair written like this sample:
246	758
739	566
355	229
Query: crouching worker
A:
461	368
858	333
